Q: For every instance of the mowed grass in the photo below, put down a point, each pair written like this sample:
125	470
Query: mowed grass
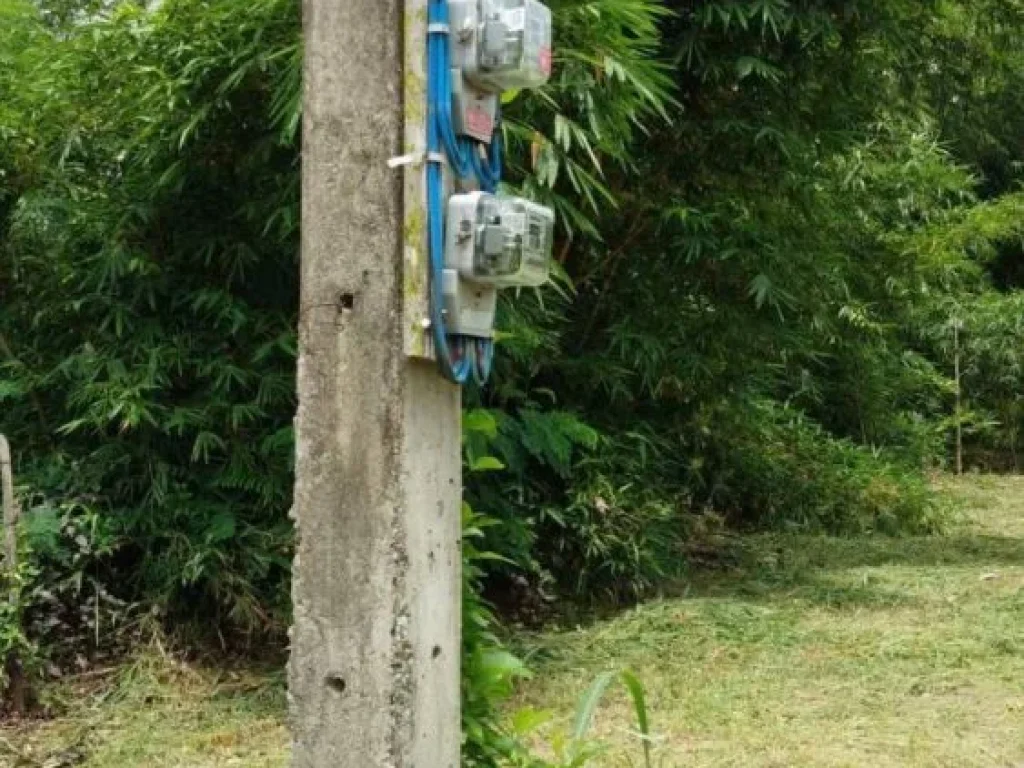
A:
794	651
158	713
816	651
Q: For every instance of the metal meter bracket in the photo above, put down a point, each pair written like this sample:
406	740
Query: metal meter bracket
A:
470	308
474	112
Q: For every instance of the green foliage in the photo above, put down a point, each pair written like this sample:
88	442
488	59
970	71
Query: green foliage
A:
489	670
753	303
782	237
609	86
770	214
575	748
987	331
150	291
59	614
774	467
17	647
68	608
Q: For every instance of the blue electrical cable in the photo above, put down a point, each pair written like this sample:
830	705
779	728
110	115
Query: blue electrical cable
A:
482	169
457	368
484	360
459	357
489	169
497	148
440	75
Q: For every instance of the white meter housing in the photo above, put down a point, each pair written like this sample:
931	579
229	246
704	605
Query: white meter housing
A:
469	308
502	45
499	240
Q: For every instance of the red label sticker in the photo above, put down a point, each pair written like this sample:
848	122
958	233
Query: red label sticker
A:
479	123
545	61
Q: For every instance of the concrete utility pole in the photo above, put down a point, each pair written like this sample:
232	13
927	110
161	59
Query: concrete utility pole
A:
374	673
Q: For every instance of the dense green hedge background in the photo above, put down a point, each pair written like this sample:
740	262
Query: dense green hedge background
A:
773	215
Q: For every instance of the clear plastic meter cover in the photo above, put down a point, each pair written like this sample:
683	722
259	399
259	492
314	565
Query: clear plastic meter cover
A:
515	43
514	240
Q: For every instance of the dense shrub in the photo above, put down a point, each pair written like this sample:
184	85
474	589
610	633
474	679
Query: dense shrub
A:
772	466
149	296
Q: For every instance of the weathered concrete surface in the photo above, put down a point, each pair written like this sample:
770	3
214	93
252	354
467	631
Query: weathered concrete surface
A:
10	507
374	673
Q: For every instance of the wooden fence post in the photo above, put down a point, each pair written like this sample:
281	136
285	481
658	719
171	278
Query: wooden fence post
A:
17	688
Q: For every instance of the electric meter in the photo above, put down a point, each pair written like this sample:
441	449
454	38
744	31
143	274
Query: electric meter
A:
501	45
498	240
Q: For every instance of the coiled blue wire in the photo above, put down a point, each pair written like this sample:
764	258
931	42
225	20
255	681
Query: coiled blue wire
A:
489	170
484	360
459	357
457	367
439	74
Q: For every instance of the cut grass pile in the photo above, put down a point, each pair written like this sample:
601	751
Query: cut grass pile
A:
795	651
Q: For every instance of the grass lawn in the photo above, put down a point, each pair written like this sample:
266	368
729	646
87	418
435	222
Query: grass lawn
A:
159	713
798	651
814	651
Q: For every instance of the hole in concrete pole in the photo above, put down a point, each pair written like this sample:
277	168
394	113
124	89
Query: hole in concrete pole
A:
336	683
347	302
437	652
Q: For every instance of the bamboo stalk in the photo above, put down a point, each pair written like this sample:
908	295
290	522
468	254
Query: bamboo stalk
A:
959	401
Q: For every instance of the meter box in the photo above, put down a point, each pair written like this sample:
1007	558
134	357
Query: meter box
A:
469	308
502	45
499	240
